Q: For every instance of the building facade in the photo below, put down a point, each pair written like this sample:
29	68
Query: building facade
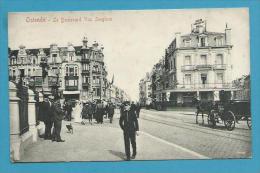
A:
77	72
197	64
145	88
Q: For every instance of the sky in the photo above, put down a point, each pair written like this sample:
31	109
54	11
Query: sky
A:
133	40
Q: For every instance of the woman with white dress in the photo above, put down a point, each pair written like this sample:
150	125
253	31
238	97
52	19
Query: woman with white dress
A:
77	112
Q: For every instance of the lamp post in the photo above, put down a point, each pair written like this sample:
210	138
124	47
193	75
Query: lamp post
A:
44	65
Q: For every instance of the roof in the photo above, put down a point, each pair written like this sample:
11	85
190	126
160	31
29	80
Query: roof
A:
206	33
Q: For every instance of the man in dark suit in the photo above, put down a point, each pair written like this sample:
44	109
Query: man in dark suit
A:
111	111
129	124
99	112
47	115
57	116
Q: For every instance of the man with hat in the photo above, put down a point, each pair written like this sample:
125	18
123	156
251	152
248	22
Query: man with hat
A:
57	116
129	124
47	116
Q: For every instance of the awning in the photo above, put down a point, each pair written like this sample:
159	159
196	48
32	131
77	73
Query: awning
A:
71	92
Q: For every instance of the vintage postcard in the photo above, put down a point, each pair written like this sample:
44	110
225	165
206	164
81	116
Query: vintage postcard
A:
129	85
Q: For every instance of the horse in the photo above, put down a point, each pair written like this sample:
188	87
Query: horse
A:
203	107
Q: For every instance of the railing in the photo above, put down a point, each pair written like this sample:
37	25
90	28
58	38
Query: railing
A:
85	84
204	86
71	88
220	66
71	77
87	60
204	66
85	72
96	72
187	67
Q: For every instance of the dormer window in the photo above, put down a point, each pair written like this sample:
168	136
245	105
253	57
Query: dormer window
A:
202	42
219	41
187	43
54	58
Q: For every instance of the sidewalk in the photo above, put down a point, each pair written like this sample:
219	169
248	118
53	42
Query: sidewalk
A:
102	143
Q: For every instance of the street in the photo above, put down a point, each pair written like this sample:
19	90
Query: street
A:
162	135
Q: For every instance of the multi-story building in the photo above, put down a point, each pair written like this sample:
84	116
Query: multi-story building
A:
78	71
197	64
145	88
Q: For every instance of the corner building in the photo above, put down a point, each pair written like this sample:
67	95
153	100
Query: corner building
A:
197	64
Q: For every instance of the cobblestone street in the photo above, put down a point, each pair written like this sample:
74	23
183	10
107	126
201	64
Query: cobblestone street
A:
163	135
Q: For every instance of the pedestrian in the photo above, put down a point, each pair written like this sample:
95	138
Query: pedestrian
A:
111	111
84	113
47	117
99	112
90	111
129	124
57	116
68	110
138	108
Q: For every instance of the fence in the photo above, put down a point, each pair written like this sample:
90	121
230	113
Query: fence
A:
22	93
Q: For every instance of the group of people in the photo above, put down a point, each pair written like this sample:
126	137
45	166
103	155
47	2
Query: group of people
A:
52	116
88	110
53	113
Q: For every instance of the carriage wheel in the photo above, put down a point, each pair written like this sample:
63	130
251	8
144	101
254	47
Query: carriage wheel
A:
230	120
211	118
249	124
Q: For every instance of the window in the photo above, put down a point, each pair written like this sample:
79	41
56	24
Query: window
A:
202	42
203	78
54	58
187	79
219	41
220	78
85	67
29	72
71	71
76	71
203	59
174	62
34	62
219	59
187	60
71	82
67	71
187	43
13	73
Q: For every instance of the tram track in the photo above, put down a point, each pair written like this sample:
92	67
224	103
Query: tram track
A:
191	127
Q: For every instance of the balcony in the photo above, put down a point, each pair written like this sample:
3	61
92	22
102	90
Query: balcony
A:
71	88
85	84
220	67
205	86
204	67
85	60
85	72
187	67
96	72
71	77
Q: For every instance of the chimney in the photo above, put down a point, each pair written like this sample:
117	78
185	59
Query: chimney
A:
178	39
85	41
228	35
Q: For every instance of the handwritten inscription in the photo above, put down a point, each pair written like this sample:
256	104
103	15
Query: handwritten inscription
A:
81	19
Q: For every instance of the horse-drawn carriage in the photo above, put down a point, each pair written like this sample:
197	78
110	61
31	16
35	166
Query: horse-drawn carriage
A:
226	111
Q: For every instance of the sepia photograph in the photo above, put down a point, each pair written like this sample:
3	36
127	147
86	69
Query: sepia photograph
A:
128	85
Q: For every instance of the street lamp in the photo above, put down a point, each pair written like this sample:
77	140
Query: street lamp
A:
44	65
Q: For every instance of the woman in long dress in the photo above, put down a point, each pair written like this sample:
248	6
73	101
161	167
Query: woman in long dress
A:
77	112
